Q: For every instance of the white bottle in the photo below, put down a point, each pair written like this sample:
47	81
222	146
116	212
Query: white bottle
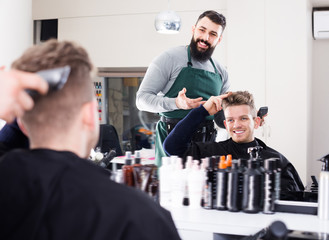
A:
195	185
177	184
323	192
187	170
164	182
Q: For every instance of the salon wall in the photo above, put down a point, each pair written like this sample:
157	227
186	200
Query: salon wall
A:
16	30
267	48
320	111
122	34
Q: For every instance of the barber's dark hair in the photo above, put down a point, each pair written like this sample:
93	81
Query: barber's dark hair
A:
214	17
240	98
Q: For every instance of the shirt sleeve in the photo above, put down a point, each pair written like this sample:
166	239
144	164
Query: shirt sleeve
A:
177	142
150	96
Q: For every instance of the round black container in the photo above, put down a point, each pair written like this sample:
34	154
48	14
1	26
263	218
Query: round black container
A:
234	187
252	188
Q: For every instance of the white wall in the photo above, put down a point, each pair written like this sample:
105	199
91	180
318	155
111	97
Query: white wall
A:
267	48
16	30
320	113
122	34
268	52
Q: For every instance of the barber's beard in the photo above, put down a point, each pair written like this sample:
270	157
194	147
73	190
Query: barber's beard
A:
201	56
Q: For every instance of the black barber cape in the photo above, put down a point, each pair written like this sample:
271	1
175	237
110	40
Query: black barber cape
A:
47	194
290	180
179	143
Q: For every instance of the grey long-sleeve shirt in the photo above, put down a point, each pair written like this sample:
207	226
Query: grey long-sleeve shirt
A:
161	75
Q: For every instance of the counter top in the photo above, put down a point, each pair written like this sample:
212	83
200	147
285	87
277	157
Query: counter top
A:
240	223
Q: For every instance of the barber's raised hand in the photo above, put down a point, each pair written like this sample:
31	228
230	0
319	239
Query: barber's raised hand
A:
14	100
183	102
214	103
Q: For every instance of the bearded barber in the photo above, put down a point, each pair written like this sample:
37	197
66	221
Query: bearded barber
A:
183	78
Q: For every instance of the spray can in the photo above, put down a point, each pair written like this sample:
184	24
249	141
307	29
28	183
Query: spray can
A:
323	194
221	191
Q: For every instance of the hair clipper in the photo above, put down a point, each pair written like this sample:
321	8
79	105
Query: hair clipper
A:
55	77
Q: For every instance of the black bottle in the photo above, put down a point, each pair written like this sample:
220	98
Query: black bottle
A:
278	179
234	187
208	202
252	188
269	185
221	186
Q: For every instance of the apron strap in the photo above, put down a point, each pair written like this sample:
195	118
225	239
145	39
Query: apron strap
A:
189	63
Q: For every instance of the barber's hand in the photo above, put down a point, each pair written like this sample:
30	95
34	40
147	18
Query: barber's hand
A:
13	98
183	102
214	103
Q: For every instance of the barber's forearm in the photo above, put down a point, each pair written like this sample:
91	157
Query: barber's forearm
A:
153	103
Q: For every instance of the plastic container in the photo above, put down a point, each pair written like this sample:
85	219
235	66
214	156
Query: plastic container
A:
234	187
127	170
165	185
221	190
195	185
323	194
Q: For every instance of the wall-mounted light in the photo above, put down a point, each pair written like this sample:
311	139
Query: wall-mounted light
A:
167	22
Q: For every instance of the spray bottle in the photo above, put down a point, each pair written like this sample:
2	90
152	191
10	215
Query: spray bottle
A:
323	194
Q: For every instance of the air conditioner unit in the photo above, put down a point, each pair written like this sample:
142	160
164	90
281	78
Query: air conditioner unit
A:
321	24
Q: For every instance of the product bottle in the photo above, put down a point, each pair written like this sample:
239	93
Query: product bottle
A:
153	189
177	184
137	170
127	170
252	188
165	184
187	170
228	162
137	158
269	185
195	184
255	156
278	179
221	194
323	194
209	182
234	187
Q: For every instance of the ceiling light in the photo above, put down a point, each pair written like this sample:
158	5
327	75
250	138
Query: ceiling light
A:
167	22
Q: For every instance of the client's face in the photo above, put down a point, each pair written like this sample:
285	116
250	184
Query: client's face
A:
240	124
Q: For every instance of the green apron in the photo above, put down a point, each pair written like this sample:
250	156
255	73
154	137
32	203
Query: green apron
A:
198	83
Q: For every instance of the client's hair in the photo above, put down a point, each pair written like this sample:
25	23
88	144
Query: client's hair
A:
240	98
57	110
